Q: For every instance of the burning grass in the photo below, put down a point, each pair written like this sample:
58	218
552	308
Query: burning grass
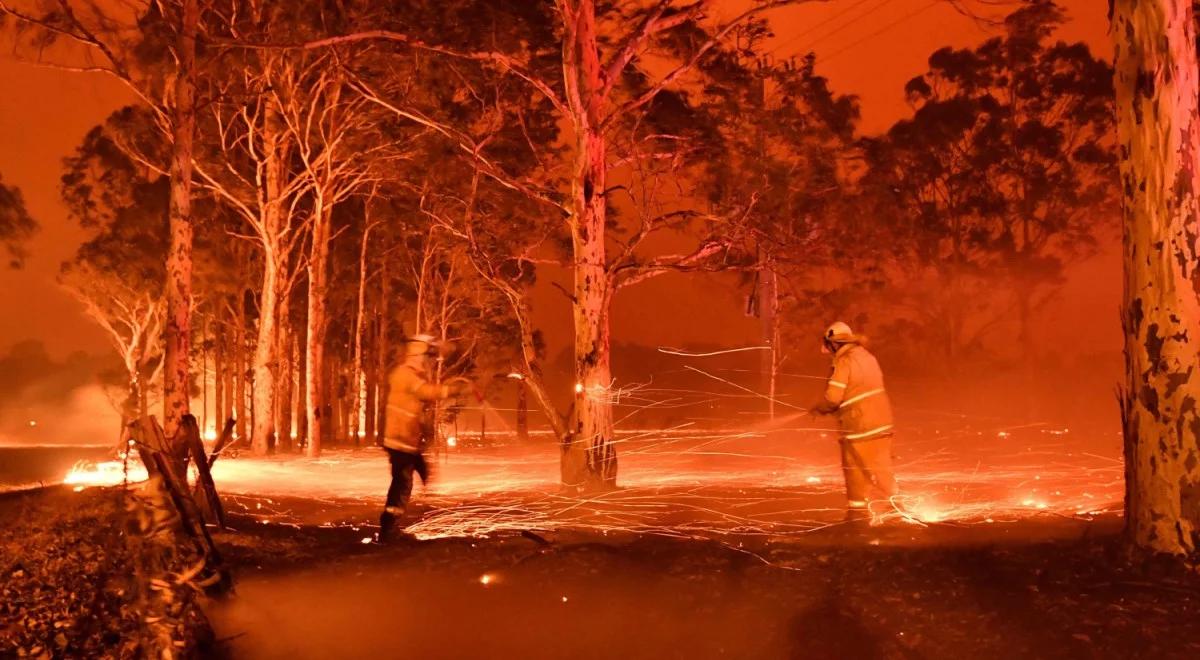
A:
688	483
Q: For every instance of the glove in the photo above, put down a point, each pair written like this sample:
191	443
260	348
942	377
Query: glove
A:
822	407
461	386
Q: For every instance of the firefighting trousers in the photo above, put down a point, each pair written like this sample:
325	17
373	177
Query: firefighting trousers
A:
867	467
403	464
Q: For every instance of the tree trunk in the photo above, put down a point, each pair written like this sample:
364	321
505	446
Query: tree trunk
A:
264	357
370	378
285	385
370	403
204	349
179	253
275	280
337	402
330	417
240	371
219	369
229	373
383	362
356	371
443	322
590	458
283	397
318	267
143	390
133	407
300	411
522	411
1159	134
768	314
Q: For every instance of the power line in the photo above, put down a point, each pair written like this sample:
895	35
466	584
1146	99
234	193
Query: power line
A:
855	22
885	28
796	37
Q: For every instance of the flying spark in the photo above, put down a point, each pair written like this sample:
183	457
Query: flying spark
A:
727	485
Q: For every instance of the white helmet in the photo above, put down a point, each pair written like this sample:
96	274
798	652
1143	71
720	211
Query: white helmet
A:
420	345
838	333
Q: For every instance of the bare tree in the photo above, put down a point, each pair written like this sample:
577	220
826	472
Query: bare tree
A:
247	167
131	318
606	85
359	383
333	130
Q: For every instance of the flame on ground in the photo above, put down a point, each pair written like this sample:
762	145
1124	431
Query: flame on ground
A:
683	483
85	474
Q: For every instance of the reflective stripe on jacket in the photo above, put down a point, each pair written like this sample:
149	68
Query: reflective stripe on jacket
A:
856	390
407	408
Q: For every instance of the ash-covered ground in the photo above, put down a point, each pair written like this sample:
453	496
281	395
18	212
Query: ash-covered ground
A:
696	483
1004	543
304	595
718	544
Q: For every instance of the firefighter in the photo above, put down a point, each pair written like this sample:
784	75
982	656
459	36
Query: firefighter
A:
408	425
856	395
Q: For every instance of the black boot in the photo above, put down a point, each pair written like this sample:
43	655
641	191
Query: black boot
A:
857	515
387	528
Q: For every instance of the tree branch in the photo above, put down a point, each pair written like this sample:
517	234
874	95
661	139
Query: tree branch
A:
634	41
79	33
634	273
463	142
676	73
504	61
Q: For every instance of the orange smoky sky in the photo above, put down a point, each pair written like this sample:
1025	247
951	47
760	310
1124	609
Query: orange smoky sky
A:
869	48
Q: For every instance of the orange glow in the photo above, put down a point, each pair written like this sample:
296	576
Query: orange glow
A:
86	474
683	483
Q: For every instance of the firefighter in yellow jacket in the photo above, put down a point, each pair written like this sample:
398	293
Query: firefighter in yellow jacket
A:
408	426
856	395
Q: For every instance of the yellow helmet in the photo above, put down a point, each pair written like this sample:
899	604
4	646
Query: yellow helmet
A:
420	345
838	333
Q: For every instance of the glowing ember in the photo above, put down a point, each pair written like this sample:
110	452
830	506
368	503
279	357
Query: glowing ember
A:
682	483
485	579
87	474
915	510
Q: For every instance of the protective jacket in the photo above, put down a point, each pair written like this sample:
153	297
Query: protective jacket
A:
855	393
407	425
